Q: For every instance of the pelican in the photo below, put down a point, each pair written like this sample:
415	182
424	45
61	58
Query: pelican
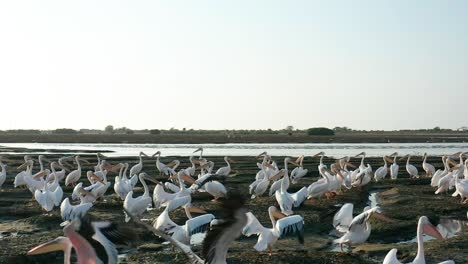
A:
80	193
465	172
163	168
136	169
40	159
62	162
3	172
224	171
192	226
321	164
211	186
363	178
28	165
286	200
440	173
394	167
137	206
411	169
361	166
424	227
55	190
267	237
161	198
200	158
428	168
190	171
220	237
99	188
71	212
461	187
122	185
381	172
93	243
320	187
73	177
262	185
356	230
298	172
44	198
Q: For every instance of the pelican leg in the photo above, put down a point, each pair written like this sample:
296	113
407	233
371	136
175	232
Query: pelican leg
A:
341	247
466	201
270	251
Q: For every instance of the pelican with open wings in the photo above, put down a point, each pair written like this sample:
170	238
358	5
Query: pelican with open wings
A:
267	237
356	230
182	233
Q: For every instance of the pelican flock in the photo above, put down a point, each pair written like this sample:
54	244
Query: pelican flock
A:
214	208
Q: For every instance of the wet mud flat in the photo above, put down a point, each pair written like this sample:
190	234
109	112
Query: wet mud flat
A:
23	225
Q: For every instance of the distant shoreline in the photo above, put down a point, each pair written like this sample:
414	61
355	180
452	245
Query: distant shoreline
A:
237	138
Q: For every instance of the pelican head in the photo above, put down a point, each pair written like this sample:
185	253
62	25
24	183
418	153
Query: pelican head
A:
321	153
429	229
360	154
59	244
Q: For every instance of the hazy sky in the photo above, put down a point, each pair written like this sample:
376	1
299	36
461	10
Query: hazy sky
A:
234	64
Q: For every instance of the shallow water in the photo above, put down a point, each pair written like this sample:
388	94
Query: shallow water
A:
331	149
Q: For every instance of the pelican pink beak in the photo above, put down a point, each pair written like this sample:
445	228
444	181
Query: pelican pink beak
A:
58	244
432	231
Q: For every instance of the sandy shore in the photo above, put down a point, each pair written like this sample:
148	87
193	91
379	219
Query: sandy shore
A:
23	226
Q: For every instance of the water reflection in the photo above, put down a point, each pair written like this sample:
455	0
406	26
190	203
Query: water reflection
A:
331	149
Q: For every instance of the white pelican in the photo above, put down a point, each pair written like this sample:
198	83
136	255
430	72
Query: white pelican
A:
44	198
73	177
161	198
3	172
267	237
190	171
298	172
261	185
162	168
63	164
424	227
440	173
411	169
40	159
465	172
321	164
224	171
55	190
84	243
80	193
28	165
356	230
394	167
363	178
428	168
319	187
99	188
122	185
381	172
71	212
286	200
361	165
211	186
461	188
136	169
137	206
192	226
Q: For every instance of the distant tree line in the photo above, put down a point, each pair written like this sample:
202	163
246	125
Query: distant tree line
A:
289	130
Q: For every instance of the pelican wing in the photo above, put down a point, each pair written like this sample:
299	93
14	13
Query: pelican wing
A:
359	221
198	224
174	188
291	225
274	187
160	196
391	257
207	178
112	253
178	202
253	226
343	218
299	197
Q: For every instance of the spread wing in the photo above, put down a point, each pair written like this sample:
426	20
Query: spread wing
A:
291	225
343	218
253	226
198	224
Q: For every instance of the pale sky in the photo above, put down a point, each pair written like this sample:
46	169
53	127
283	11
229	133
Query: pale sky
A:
233	64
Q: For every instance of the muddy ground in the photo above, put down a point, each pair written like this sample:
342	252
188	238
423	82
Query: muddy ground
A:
23	225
